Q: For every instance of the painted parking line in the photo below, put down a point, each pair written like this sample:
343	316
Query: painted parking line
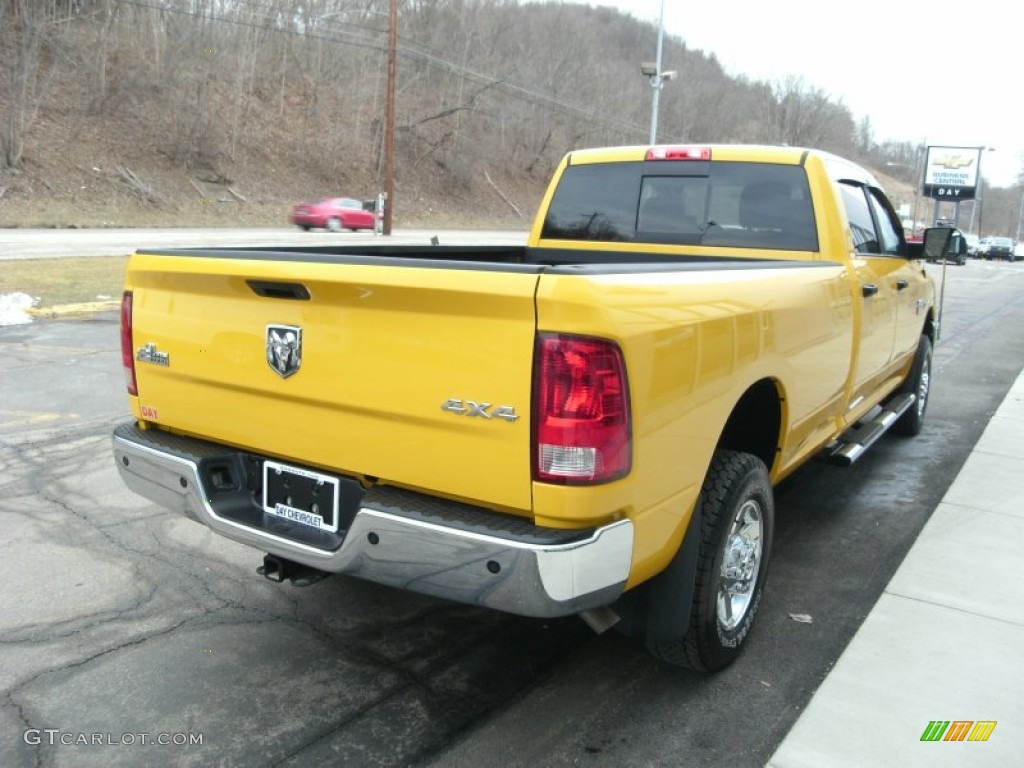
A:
18	419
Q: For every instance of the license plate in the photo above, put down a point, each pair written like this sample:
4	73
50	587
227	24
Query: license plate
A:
304	497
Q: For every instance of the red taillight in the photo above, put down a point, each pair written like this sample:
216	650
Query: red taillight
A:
581	419
127	348
679	153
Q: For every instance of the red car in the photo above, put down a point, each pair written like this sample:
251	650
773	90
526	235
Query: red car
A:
334	214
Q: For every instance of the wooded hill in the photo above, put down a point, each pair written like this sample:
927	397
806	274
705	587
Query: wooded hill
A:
194	111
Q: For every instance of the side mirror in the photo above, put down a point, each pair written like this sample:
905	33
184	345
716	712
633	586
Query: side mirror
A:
937	241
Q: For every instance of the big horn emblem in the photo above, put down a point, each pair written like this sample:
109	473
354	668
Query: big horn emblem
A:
284	349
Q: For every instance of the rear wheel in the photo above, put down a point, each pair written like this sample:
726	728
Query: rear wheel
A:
918	382
737	517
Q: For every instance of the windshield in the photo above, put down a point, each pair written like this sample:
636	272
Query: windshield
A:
745	205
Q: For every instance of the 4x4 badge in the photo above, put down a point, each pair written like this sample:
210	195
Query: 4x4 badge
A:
284	349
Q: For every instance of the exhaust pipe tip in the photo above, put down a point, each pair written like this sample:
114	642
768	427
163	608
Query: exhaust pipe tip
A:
600	619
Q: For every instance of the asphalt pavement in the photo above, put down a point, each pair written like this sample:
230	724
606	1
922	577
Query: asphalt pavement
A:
935	675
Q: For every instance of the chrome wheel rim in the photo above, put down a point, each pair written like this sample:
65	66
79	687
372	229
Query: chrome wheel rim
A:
922	386
741	562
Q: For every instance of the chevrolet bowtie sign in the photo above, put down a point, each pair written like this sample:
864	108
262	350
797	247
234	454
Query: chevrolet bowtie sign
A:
951	173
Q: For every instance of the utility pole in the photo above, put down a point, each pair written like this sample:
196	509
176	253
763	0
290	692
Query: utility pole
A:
1020	215
978	199
389	120
918	181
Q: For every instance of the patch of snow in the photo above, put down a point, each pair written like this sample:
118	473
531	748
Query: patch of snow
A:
12	308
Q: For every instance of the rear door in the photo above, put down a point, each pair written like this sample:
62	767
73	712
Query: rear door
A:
408	372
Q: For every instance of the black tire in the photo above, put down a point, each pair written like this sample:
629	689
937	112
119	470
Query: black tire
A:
918	381
737	518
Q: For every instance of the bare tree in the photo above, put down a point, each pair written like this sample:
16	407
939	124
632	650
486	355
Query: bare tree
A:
798	115
36	29
487	89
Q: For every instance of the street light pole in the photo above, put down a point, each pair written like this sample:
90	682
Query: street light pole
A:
652	70
389	121
656	79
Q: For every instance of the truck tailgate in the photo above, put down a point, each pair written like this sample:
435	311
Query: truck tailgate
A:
418	375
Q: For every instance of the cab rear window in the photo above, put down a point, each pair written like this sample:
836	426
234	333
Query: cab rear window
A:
744	205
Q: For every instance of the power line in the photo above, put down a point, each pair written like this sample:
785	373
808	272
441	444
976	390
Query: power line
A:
409	50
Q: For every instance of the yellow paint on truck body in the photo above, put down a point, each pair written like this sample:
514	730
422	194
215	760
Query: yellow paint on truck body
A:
695	342
690	355
386	347
383	350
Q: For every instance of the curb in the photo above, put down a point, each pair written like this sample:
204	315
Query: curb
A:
64	310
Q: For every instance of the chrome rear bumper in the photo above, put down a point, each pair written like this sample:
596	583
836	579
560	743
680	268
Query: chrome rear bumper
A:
398	538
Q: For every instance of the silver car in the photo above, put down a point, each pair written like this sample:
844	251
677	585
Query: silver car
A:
997	248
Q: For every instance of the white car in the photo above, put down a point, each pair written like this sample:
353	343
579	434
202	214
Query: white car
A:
1018	251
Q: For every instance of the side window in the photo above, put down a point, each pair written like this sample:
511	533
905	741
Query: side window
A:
888	224
865	240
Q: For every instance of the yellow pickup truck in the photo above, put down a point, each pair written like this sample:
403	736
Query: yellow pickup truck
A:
588	424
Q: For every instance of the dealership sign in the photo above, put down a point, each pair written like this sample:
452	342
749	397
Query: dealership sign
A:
951	173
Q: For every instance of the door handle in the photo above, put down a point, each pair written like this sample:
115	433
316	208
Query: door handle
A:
869	289
901	284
